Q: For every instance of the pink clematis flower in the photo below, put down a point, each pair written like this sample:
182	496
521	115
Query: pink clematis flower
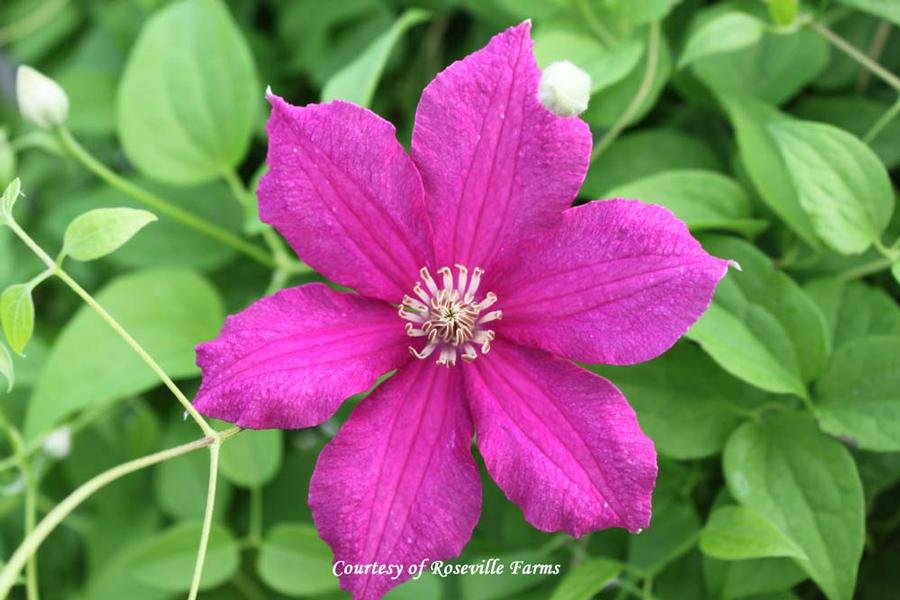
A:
476	281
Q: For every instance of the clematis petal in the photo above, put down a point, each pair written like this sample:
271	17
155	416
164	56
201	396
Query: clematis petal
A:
561	442
398	484
618	282
346	196
289	360
495	162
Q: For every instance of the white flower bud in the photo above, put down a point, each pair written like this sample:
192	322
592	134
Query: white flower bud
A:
59	443
42	101
564	89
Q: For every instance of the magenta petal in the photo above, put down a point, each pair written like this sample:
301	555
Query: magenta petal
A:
346	196
398	484
289	360
618	282
561	442
496	164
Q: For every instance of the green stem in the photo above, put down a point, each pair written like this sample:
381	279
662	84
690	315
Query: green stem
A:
207	517
71	145
879	41
56	516
31	498
138	349
883	122
879	264
857	55
285	264
643	90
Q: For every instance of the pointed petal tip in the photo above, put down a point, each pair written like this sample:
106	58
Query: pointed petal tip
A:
735	265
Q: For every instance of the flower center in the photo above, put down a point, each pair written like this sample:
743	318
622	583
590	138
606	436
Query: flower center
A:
450	317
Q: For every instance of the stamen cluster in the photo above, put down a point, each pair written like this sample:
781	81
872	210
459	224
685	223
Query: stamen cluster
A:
449	317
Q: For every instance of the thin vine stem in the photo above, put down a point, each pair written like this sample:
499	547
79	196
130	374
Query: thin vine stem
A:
56	516
640	96
77	151
31	498
879	41
54	266
856	54
883	122
214	449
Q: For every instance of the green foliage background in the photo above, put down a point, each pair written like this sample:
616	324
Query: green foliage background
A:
771	132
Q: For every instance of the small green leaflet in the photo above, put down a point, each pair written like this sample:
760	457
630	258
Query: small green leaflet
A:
17	315
587	579
292	548
8	200
722	33
102	231
840	183
252	458
6	367
740	533
356	82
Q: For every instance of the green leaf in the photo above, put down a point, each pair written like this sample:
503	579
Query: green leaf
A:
606	108
606	66
853	309
168	242
773	69
889	9
644	153
686	416
761	158
858	397
9	197
739	533
356	82
807	485
6	367
702	199
840	183
895	271
739	579
252	458
639	13
166	560
102	231
189	96
176	310
856	114
725	32
294	561
587	579
761	327
17	315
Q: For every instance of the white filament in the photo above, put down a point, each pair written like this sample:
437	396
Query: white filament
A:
449	316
